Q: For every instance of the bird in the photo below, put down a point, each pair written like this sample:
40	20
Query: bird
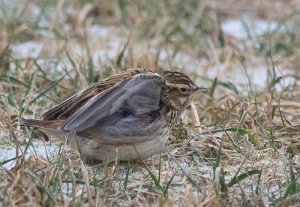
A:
126	116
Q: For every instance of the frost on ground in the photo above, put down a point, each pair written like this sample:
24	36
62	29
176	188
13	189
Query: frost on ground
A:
256	89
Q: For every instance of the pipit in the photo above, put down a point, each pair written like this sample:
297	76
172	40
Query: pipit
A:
126	116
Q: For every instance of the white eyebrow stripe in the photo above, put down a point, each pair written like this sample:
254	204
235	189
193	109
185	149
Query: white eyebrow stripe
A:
177	85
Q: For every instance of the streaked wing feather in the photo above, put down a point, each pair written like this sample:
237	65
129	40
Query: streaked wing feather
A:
70	105
110	101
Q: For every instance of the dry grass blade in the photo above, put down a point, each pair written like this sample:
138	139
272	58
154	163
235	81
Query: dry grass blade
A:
236	146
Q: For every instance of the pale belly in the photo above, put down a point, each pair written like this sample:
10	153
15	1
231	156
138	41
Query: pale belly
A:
120	143
125	140
93	150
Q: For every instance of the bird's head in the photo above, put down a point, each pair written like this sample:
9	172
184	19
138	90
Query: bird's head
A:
179	89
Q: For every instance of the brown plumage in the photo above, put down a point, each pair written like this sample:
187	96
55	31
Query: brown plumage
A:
126	116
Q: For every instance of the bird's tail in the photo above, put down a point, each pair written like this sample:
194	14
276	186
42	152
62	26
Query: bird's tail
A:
46	127
31	122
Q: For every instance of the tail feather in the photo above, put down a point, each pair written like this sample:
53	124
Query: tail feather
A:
31	122
40	123
47	127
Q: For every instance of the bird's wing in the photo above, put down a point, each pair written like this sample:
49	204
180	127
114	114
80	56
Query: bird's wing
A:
72	104
141	93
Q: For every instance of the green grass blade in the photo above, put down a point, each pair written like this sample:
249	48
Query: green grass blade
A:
242	131
189	178
243	176
168	185
154	179
126	177
9	160
54	84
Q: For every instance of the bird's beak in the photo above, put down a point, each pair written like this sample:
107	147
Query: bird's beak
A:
201	89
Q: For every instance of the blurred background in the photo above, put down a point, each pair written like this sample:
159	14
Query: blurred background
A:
230	40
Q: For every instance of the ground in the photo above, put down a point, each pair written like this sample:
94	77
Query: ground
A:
237	145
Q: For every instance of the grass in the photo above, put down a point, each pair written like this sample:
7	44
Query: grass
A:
237	146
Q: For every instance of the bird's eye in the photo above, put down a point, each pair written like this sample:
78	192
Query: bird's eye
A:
183	90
